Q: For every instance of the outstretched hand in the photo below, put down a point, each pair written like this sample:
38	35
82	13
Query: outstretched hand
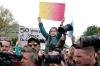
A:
62	21
39	19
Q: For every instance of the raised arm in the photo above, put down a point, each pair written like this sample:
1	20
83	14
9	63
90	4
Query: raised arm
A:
60	29
62	21
42	29
39	20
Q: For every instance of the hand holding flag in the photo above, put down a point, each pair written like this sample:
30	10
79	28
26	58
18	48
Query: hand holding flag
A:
39	19
62	22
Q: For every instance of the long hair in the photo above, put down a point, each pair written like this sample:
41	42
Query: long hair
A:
53	28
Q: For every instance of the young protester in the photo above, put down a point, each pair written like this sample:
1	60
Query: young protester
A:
52	38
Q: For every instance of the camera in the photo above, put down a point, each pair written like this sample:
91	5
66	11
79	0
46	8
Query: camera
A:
9	56
93	40
67	27
54	56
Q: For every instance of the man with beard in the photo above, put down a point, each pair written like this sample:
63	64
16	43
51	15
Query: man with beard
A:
34	44
37	54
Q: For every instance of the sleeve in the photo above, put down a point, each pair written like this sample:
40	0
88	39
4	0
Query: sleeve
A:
60	32
43	31
60	44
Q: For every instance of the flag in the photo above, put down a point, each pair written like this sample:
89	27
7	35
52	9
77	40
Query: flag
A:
51	11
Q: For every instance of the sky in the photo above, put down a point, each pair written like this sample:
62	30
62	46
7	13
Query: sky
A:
83	13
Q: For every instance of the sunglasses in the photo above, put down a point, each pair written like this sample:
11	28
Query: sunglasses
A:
32	44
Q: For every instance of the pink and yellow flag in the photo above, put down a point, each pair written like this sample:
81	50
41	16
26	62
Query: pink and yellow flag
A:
52	11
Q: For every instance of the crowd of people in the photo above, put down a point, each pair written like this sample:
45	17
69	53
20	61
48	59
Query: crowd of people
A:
86	53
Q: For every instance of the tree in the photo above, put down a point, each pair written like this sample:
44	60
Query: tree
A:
8	26
91	30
